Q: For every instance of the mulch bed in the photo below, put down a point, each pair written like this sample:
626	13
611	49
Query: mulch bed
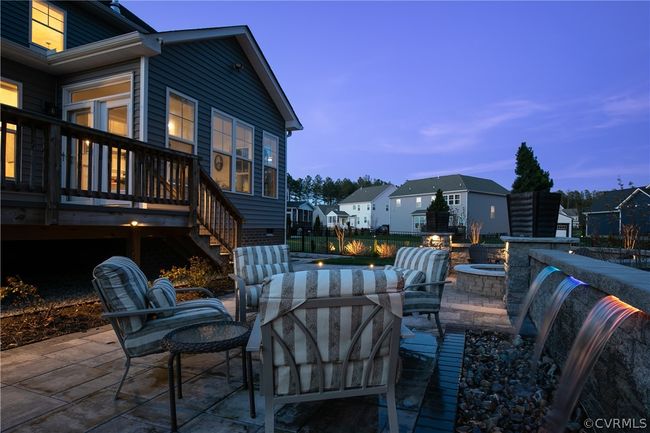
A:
32	326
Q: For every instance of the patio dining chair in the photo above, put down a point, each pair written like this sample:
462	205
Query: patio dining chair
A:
329	334
424	270
142	316
252	265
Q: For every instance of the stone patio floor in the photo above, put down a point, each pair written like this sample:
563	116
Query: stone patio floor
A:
66	384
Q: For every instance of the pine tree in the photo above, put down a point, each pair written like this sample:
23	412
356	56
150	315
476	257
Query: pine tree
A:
530	176
439	204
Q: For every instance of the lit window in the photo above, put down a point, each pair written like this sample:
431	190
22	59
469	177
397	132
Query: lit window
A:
270	163
181	120
48	25
418	201
243	158
222	150
10	95
493	212
398	202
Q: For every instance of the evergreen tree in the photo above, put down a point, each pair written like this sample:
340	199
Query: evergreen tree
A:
439	204
530	176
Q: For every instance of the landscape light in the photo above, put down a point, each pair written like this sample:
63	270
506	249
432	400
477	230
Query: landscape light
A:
134	223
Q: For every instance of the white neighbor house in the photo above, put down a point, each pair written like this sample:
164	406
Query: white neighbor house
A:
368	207
321	211
470	199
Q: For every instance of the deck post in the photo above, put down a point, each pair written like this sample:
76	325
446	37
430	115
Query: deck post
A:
133	245
194	191
53	182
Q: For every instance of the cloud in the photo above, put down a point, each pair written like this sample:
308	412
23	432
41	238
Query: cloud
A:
455	135
482	167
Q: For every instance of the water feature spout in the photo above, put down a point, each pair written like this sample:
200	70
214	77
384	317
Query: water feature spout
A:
560	294
530	295
600	324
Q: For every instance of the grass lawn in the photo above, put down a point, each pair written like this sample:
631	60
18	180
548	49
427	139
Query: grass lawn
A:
357	261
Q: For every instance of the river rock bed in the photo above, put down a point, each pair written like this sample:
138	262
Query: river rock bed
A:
497	391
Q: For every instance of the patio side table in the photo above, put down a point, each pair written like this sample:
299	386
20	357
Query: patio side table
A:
214	336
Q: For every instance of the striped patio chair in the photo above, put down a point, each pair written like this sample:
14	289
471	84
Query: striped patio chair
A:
330	334
252	265
424	270
142	316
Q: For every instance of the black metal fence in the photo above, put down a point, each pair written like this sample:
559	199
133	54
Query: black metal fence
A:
365	242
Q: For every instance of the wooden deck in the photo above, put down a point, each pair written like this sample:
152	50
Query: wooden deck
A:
60	179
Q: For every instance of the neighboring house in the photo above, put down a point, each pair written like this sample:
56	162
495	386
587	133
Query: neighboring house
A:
564	224
470	199
321	211
300	213
574	215
369	206
338	218
613	209
188	130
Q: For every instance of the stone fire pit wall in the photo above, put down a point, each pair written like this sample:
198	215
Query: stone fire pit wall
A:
619	385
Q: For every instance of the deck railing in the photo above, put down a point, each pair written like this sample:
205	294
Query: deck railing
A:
64	160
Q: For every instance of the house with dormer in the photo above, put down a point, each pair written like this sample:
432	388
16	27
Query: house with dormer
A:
108	124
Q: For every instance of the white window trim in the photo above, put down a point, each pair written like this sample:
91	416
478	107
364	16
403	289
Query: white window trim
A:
95	83
398	202
414	217
233	172
195	143
20	89
277	167
418	202
65	26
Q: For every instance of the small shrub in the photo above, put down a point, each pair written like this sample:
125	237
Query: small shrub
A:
20	294
340	235
200	273
356	248
386	250
475	232
630	236
331	247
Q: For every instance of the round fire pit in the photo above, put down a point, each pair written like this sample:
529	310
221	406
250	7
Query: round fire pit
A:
482	279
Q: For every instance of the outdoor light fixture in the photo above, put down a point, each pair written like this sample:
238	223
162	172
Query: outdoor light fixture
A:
134	223
372	265
237	67
320	264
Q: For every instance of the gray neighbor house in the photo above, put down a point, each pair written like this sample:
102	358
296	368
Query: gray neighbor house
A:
110	124
611	210
470	199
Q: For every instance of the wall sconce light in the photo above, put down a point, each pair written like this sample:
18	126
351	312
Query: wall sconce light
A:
238	67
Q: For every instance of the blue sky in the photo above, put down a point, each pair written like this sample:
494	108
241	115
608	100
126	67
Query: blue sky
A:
403	90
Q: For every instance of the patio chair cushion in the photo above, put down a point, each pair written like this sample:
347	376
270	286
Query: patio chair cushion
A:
253	294
434	263
411	276
254	264
420	302
331	328
161	295
124	287
147	339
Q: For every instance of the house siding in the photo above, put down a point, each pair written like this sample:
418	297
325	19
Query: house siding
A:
401	219
479	210
39	88
214	83
81	27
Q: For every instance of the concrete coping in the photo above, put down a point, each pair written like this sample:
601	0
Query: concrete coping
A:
488	270
531	240
467	245
630	285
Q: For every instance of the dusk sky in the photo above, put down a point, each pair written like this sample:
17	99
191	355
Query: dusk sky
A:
405	90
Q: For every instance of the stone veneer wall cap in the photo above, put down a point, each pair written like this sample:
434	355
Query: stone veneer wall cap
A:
630	285
540	240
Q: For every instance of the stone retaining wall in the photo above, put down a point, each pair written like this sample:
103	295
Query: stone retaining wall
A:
619	385
460	253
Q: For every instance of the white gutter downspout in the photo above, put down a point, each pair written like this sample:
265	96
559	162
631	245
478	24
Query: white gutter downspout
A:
144	98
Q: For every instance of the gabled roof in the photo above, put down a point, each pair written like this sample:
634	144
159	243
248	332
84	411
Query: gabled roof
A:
327	208
453	182
297	204
610	200
366	194
571	212
253	52
339	213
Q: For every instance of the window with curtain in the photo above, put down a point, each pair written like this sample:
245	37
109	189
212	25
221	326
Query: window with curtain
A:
270	162
244	158
48	26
